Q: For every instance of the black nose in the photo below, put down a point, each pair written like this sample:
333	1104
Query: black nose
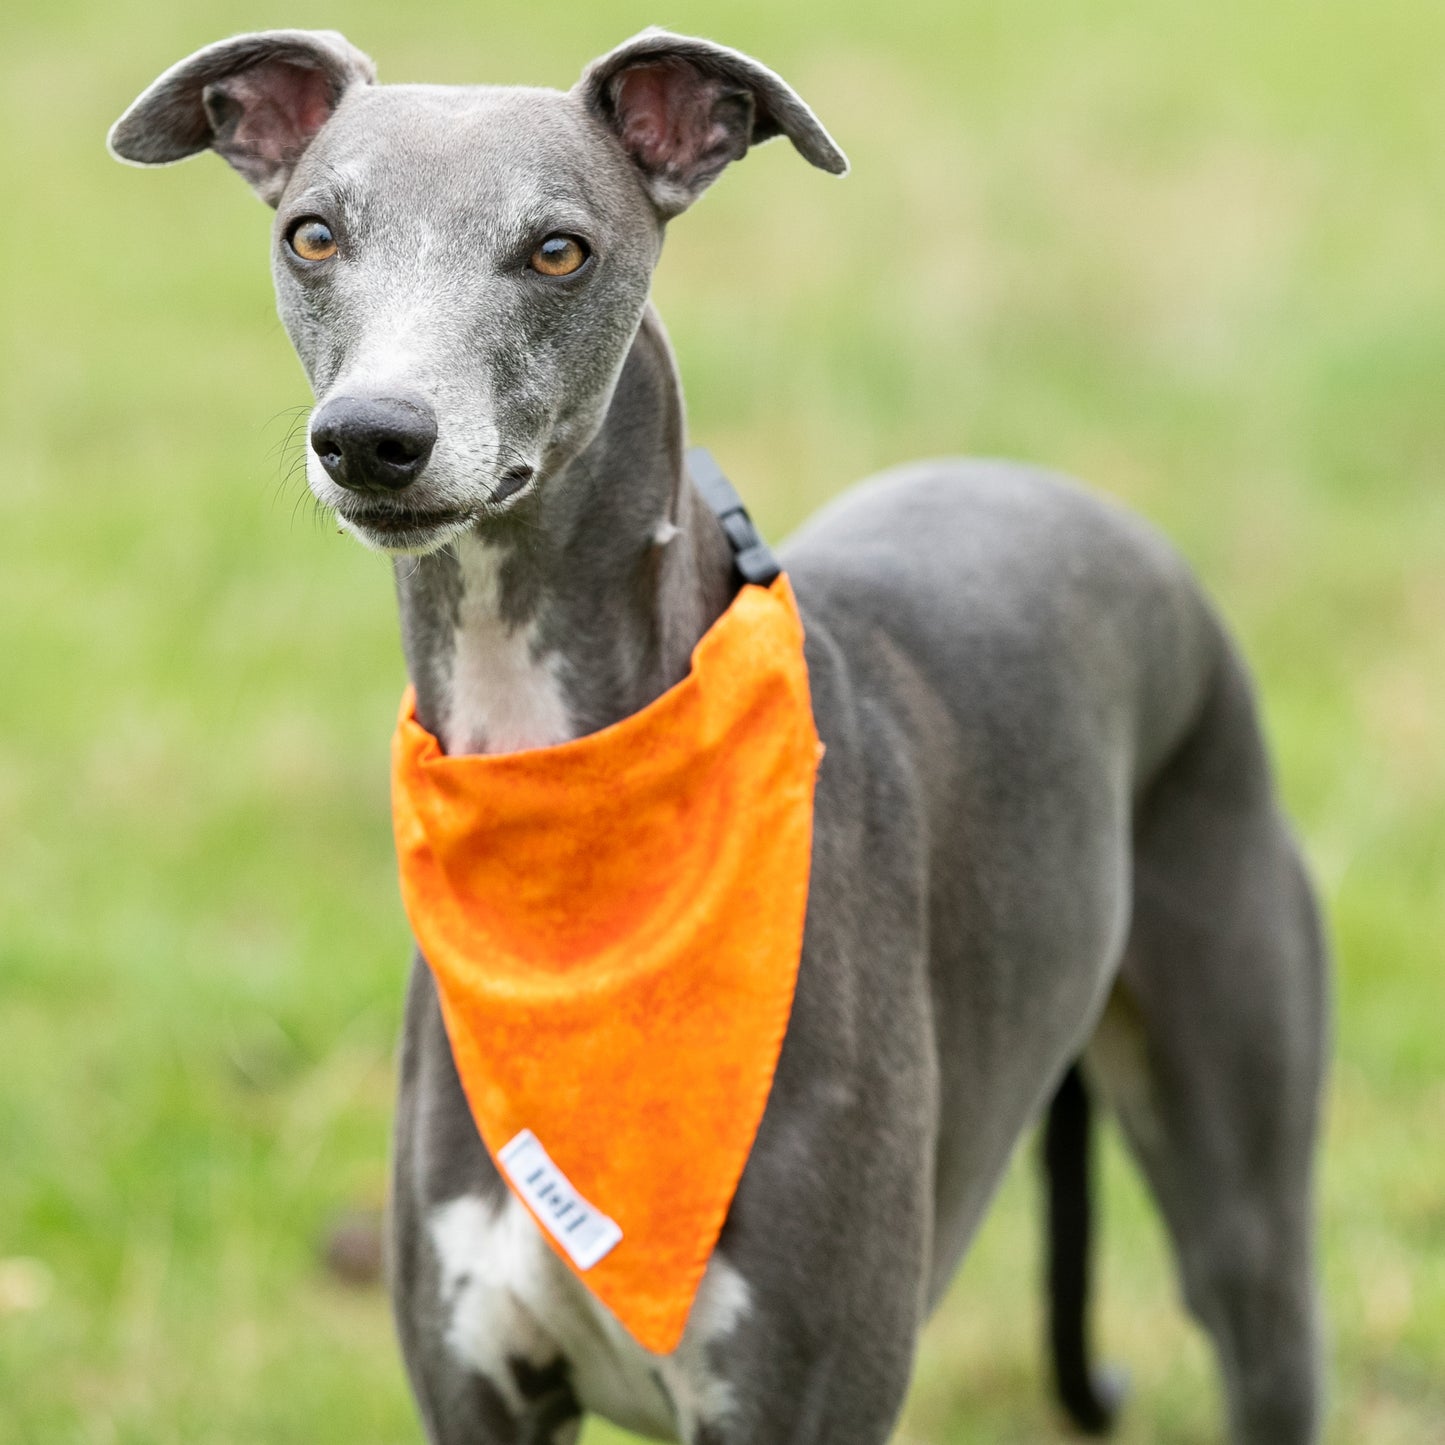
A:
374	444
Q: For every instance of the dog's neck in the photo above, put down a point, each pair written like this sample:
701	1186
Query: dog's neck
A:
585	605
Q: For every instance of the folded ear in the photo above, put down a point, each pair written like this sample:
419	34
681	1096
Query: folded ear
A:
258	100
684	108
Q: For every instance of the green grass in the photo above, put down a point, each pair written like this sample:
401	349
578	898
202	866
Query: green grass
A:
1189	253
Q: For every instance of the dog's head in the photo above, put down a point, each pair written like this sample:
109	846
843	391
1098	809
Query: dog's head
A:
461	269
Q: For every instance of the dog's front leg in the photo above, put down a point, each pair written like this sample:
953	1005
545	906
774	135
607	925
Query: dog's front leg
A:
481	1371
824	1254
827	1366
463	1257
465	1408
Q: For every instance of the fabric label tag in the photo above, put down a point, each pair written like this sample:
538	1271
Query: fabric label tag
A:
584	1232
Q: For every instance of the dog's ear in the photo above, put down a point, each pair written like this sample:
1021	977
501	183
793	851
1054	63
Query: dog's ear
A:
684	108
258	100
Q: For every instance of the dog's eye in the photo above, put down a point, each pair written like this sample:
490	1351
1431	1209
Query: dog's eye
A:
559	256
311	239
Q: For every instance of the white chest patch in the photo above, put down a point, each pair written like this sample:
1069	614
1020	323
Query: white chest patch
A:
495	1288
504	695
508	1296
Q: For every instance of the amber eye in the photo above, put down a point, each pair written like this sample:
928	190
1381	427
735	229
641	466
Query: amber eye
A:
311	239
559	256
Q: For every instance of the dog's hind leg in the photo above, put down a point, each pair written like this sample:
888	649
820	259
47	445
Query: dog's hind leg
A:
1212	1053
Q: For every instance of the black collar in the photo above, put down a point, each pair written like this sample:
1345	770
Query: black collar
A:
753	559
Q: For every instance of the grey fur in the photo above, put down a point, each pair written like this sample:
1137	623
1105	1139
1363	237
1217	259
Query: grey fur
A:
748	102
1045	826
193	106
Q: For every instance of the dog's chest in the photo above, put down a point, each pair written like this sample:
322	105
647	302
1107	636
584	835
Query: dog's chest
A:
516	1315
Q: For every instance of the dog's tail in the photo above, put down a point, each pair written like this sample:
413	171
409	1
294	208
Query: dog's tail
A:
1091	1397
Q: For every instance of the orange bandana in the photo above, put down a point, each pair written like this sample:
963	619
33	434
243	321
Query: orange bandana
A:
615	925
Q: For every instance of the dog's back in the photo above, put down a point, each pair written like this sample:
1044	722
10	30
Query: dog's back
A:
1054	750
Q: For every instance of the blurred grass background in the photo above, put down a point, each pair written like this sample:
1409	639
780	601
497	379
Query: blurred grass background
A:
1189	253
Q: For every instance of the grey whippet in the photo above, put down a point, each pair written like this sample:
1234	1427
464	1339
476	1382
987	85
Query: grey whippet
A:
1045	829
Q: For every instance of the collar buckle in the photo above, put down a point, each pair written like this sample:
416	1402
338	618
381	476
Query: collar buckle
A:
753	559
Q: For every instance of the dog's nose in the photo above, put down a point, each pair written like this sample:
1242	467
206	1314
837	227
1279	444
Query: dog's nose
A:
374	444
